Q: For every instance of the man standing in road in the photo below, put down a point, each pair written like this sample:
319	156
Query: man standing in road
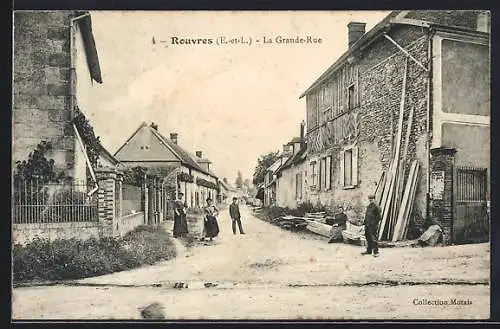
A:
372	218
234	212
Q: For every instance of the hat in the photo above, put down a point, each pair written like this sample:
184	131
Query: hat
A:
235	198
371	196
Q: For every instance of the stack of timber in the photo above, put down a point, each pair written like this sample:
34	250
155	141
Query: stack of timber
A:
316	223
290	222
318	227
394	195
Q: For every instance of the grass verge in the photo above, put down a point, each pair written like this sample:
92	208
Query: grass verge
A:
44	260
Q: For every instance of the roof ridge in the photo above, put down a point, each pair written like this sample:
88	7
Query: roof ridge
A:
143	124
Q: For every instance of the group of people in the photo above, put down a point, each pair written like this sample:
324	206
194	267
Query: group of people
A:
210	223
373	216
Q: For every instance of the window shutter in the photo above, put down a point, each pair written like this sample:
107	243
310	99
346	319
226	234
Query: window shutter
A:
356	91
342	164
355	165
329	172
320	174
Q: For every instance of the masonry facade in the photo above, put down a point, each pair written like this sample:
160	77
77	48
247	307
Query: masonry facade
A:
353	108
49	48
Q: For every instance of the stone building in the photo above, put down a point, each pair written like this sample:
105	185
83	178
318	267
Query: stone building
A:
50	49
179	169
353	110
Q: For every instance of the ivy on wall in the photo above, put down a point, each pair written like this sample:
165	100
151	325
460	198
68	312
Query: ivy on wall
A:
38	166
91	141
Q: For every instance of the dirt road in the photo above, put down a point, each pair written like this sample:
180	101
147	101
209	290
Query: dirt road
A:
270	273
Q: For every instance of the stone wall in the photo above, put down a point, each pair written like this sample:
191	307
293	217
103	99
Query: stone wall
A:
24	233
130	222
41	74
381	68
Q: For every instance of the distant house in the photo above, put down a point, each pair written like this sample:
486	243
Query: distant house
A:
226	192
353	112
180	170
270	176
291	176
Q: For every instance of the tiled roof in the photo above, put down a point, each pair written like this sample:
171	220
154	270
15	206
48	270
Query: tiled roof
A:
184	155
295	159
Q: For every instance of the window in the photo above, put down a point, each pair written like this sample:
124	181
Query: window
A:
313	174
324	175
350	95
328	173
327	114
349	167
298	186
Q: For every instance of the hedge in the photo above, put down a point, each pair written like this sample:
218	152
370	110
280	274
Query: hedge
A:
43	260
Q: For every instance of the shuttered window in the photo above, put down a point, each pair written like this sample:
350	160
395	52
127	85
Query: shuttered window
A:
298	186
313	174
328	173
349	167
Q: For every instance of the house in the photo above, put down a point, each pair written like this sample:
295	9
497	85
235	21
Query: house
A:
353	113
179	169
270	176
70	187
291	176
54	57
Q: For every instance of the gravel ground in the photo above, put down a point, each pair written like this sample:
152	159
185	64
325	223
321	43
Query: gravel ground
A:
270	273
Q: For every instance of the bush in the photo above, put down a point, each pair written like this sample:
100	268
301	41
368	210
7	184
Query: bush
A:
75	259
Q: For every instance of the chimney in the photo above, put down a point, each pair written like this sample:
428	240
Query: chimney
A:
356	31
302	134
199	154
154	126
173	137
483	22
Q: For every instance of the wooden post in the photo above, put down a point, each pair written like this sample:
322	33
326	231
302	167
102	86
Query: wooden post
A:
395	162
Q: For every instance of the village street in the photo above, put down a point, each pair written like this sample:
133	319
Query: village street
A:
270	273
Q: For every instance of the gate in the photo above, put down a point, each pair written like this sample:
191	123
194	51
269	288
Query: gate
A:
471	222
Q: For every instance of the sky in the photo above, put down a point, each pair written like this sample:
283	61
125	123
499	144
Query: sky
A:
233	102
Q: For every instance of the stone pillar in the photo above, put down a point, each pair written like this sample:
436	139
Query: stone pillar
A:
158	200
119	201
145	199
441	196
162	200
150	214
106	179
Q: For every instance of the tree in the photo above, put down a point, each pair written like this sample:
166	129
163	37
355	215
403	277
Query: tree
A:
239	180
264	162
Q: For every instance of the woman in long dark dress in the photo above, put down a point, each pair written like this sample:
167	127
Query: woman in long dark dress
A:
211	225
180	222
